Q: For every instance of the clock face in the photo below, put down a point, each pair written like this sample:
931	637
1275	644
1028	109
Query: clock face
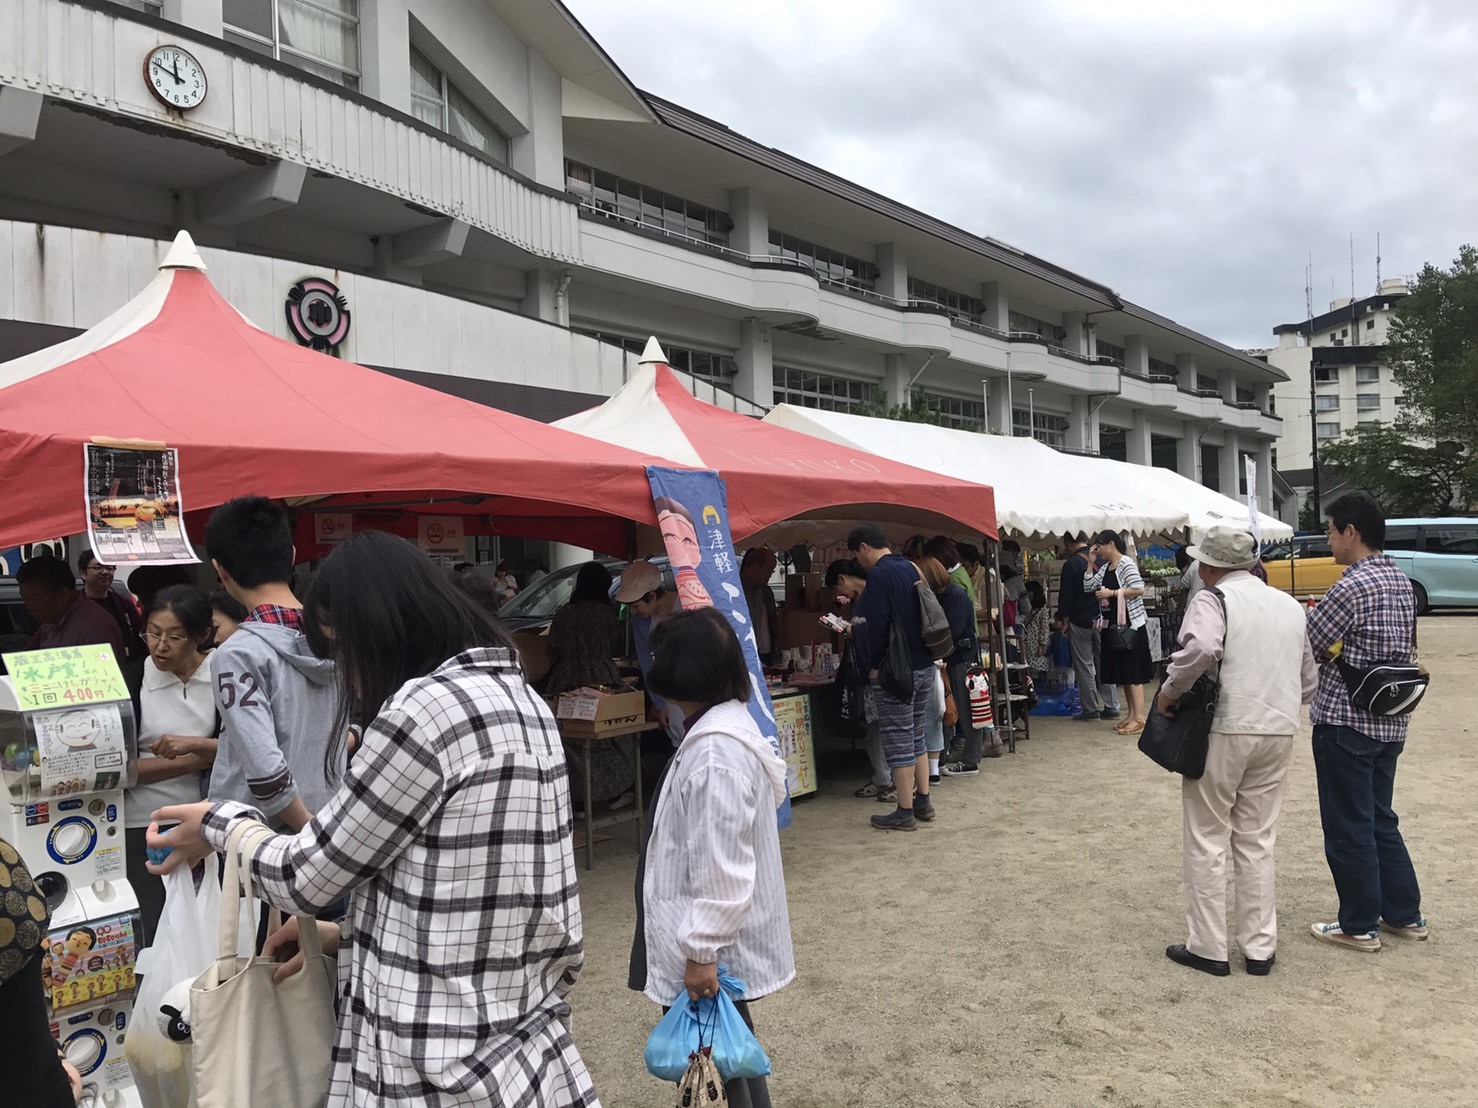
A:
175	77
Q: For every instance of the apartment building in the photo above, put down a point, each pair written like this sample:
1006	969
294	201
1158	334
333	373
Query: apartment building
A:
503	215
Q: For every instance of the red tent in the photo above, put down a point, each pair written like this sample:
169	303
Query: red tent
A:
251	413
776	475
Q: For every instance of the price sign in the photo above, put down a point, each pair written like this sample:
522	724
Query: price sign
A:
65	677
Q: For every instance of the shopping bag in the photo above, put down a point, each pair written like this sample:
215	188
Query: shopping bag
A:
257	1042
157	1043
709	1023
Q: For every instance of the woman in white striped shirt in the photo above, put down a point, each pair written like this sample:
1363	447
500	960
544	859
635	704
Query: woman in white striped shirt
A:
713	890
1117	581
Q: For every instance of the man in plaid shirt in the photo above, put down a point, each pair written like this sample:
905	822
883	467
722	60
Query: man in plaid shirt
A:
1370	613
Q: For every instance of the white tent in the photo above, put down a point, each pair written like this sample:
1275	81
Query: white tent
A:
1040	493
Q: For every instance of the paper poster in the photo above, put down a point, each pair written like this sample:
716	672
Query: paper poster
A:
82	965
693	514
82	749
332	528
65	677
134	516
797	743
1253	514
441	537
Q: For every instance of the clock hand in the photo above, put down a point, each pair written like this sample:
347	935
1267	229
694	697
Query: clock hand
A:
177	78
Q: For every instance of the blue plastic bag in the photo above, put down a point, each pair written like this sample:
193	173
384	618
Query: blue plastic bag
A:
711	1022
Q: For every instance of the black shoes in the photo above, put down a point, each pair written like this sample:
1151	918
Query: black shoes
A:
1180	955
1261	967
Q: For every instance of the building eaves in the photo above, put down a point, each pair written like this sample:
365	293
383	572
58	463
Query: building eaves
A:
1340	315
716	134
1134	311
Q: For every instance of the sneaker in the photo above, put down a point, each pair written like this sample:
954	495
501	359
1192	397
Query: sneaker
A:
1109	713
888	795
1413	932
896	820
870	789
933	778
1330	933
960	769
1087	717
923	811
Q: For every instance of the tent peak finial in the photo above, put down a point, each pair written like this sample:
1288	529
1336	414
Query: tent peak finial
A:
183	255
653	355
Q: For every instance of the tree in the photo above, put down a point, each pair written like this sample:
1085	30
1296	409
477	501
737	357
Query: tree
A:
1433	346
917	410
1406	477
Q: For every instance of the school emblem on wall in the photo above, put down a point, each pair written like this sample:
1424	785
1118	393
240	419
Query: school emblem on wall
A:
317	314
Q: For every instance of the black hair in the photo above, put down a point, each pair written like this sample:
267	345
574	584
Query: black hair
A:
752	555
477	589
85	559
1038	594
913	547
593	582
147	581
461	567
1111	538
188	605
667	504
843	567
253	540
1012	545
696	657
943	550
501	567
385	615
1360	511
52	574
233	609
89	932
866	533
968	553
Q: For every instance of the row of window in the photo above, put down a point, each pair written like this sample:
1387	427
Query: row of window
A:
321	36
808	389
1161	368
958	303
964	415
1364	402
1020	321
1344	333
716	369
435	100
1364	374
832	267
647	206
1045	427
1111	351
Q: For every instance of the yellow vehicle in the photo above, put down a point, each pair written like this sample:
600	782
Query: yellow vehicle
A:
1302	567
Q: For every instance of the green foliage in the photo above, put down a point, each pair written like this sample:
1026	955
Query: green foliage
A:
1308	519
1150	566
1405	477
917	410
1433	346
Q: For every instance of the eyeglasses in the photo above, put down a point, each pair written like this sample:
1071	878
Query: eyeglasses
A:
154	638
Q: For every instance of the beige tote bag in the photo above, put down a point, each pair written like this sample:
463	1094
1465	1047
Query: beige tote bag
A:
257	1042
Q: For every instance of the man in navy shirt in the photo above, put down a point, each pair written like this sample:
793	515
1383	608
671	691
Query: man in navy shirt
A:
890	595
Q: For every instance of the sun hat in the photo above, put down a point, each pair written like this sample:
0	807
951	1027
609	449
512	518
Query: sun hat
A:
1226	548
638	579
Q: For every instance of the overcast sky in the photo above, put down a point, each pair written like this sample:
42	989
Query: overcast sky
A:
1189	155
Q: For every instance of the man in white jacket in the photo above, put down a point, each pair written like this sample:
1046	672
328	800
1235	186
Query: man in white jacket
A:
1267	671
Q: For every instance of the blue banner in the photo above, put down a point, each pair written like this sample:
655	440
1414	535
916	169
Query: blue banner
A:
693	514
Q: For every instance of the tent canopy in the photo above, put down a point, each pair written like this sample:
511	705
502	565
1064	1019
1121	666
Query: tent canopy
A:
1040	493
783	486
254	414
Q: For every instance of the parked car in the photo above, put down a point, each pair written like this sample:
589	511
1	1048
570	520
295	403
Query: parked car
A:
1303	566
1441	558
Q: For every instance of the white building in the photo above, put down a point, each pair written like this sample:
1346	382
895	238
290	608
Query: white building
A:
488	191
1337	378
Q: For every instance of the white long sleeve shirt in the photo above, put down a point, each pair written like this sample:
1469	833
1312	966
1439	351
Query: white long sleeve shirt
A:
714	888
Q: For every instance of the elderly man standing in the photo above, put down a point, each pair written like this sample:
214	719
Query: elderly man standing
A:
1258	636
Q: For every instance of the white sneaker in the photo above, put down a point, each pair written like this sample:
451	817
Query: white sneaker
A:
1412	932
1331	933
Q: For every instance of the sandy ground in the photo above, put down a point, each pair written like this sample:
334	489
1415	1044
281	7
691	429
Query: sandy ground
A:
1013	952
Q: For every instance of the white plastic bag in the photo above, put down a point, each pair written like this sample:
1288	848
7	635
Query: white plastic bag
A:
184	946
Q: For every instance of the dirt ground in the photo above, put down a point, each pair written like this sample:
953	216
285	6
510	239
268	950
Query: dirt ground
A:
1013	952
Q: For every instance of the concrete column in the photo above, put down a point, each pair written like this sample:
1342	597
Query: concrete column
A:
200	15
896	376
997	419
1076	339
1230	475
756	360
1265	476
1080	435
997	312
1227	383
1137	443
1188	457
1136	355
543	298
1185	369
540	152
893	272
384	52
751	233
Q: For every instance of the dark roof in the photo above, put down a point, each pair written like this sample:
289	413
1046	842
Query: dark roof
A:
1336	316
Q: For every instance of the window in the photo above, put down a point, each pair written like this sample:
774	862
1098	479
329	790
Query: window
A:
1045	428
1328	430
1326	403
321	36
1272	403
148	7
966	415
647	206
1326	375
832	267
1163	369
1111	351
1451	540
1367	402
435	100
1344	332
958	303
1113	442
1020	321
716	369
1333	337
1314	546
1399	401
810	389
1164	452
1403	538
1205	383
1275	458
1246	396
1370	325
1367	374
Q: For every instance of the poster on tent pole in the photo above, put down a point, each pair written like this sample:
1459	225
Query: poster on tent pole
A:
1250	465
134	511
693	515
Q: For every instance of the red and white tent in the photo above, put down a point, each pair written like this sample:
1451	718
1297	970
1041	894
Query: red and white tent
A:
252	413
775	476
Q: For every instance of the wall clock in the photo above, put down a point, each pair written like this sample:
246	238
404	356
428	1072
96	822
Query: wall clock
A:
175	77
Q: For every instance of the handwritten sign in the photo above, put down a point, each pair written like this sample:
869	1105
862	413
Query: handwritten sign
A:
797	745
65	677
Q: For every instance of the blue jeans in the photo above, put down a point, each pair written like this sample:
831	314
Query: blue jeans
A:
1367	857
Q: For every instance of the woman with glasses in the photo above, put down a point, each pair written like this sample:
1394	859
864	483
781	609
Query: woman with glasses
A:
177	717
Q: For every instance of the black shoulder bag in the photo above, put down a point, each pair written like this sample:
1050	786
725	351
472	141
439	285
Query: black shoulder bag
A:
1179	742
1386	688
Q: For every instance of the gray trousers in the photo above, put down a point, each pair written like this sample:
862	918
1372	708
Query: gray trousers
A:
1087	647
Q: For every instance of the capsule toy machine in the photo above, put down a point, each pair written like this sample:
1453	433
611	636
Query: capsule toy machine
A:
68	749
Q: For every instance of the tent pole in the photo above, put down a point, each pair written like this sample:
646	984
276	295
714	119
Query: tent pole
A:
1000	586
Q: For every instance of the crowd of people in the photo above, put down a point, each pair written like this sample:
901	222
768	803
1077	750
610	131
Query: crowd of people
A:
383	732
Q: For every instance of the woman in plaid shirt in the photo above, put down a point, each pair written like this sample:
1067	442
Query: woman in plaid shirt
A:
451	832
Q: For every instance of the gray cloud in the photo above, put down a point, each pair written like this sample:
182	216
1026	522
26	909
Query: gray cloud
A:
1190	158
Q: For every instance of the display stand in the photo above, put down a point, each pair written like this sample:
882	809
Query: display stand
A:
580	746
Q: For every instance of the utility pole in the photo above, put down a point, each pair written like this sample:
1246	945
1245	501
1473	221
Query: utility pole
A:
1313	403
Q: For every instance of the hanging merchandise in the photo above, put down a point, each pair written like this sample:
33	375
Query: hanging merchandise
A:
977	681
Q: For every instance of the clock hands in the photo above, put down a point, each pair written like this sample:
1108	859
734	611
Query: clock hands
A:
174	74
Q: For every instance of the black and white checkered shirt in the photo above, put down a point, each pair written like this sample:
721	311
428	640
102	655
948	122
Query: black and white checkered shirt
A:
452	830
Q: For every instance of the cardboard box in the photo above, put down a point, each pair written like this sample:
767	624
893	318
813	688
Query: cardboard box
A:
592	712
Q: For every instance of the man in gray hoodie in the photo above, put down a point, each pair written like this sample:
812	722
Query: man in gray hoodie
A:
277	702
